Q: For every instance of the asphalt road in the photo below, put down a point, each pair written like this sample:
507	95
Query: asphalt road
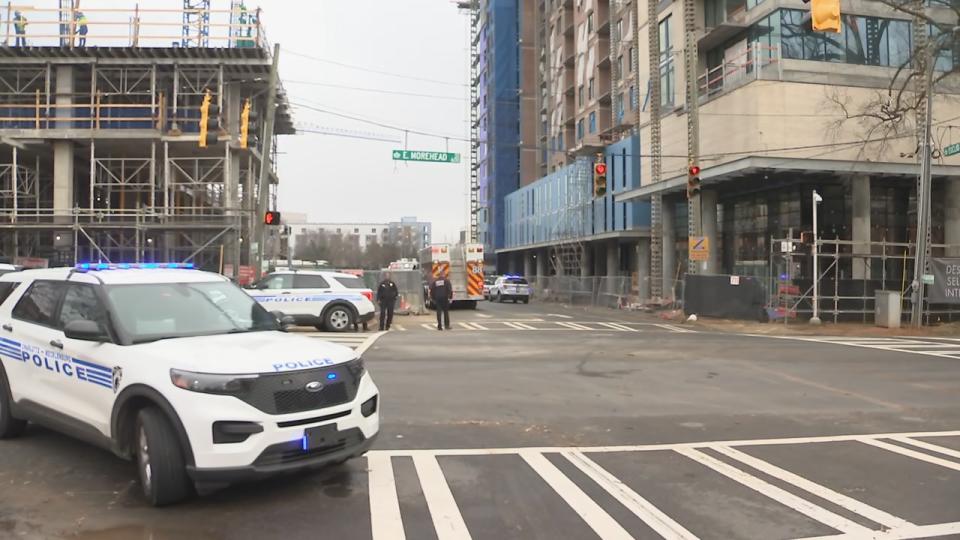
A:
546	422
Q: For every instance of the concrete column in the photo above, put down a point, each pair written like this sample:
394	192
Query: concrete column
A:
528	263
861	225
586	261
63	199
541	263
708	201
613	267
643	268
669	259
951	209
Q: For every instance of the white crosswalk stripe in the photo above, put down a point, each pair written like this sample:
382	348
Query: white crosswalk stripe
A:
808	498
540	325
939	347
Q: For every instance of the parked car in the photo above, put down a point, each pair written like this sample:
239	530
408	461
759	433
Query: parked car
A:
513	288
327	300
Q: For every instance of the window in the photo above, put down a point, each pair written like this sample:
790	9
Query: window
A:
277	282
580	94
373	230
619	106
6	288
579	129
620	29
591	88
81	303
667	68
870	41
631	59
39	303
590	22
621	69
560	142
309	281
633	98
593	122
351	282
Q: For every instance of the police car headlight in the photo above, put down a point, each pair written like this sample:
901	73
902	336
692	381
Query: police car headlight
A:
211	383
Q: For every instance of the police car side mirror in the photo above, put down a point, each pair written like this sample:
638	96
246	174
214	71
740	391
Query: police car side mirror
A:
85	331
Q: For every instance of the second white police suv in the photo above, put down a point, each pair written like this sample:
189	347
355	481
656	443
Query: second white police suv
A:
179	370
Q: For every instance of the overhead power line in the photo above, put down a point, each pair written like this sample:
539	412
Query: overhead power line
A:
376	90
380	124
370	70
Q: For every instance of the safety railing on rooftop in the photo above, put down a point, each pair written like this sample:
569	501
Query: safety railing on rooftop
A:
755	62
138	27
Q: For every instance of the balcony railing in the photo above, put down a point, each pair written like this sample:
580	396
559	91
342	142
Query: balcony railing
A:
755	62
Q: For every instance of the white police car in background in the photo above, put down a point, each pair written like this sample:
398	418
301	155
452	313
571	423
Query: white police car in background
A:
510	288
180	370
7	268
327	300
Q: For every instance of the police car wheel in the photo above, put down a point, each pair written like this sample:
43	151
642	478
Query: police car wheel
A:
338	319
160	462
10	427
526	300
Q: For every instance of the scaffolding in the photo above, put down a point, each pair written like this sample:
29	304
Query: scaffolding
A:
99	158
195	31
573	217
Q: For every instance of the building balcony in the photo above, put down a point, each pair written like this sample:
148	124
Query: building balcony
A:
755	62
735	22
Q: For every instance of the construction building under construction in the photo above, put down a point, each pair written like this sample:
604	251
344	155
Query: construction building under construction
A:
100	158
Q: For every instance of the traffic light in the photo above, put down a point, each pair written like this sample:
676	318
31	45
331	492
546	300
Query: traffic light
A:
248	123
209	121
825	15
272	217
693	181
599	179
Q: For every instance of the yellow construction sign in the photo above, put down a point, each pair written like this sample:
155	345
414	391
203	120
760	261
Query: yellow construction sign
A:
698	248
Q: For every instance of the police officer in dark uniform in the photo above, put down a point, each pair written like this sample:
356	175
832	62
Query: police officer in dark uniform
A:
387	294
441	292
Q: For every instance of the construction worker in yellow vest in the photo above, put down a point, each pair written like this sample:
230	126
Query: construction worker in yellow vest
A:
82	28
20	26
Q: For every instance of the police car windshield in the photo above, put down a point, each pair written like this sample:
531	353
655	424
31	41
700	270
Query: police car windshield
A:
515	281
150	312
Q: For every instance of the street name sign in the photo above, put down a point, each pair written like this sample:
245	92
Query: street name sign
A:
428	156
952	149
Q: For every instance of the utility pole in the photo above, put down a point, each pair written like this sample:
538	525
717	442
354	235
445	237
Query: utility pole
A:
653	98
264	192
690	59
924	66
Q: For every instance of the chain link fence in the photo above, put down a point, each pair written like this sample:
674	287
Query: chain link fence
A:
611	292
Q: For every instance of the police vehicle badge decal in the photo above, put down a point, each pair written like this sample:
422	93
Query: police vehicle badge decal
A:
117	377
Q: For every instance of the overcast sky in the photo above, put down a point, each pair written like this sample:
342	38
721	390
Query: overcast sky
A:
345	179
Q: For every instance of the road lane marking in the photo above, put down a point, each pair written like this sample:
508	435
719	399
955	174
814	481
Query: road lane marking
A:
666	446
676	329
484	316
853	505
574	326
559	316
618	326
781	496
369	342
601	522
913	453
428	326
385	517
468	326
524	326
479	326
897	345
642	508
913	531
927	446
399	327
447	520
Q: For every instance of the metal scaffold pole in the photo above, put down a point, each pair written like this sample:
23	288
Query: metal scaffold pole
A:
690	54
264	192
656	201
924	68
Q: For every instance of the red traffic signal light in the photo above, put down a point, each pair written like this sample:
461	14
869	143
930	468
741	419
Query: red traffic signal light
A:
693	181
694	170
600	168
271	218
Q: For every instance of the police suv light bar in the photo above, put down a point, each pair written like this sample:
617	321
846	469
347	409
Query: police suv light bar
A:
85	267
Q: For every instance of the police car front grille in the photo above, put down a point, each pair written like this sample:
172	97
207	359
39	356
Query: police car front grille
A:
286	393
293	452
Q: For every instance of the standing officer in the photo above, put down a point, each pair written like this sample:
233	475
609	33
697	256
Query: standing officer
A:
441	292
387	294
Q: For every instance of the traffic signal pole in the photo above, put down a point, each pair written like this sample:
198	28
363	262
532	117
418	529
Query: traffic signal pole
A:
264	191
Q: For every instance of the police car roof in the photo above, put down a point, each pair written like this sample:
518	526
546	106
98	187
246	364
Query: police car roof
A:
118	277
329	273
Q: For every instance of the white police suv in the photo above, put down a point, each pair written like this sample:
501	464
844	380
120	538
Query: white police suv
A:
179	370
510	288
330	301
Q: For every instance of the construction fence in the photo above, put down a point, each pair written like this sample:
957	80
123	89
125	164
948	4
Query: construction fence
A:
598	291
